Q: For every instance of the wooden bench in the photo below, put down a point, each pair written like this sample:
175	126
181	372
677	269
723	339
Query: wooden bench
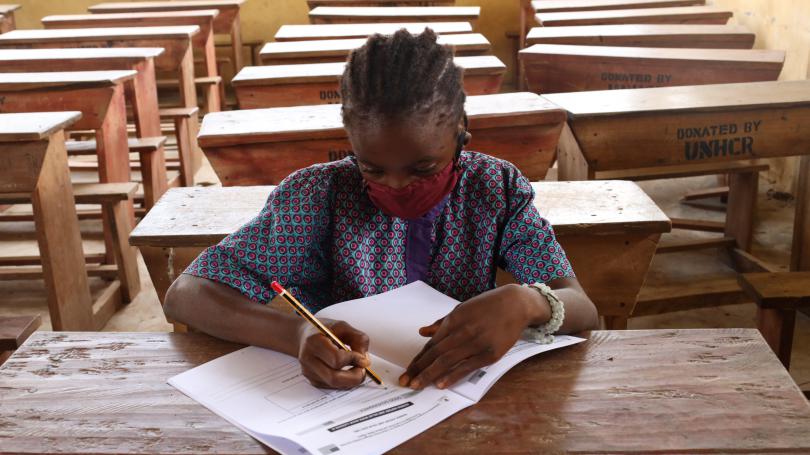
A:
7	21
14	330
555	68
337	50
139	92
202	42
364	14
345	31
34	168
778	296
262	146
177	56
319	83
689	127
679	15
529	8
695	36
610	223
227	21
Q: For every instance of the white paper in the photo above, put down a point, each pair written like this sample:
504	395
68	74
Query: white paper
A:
265	394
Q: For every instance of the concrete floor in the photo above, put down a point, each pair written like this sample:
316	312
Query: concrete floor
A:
772	243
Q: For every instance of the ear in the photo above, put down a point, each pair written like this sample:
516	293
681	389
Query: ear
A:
467	137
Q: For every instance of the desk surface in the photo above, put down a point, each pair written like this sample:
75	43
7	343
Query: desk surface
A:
687	391
63	79
686	11
556	6
34	126
571	31
135	54
203	216
753	56
94	34
324	120
696	98
448	12
162	16
327	31
164	6
6	8
319	72
342	47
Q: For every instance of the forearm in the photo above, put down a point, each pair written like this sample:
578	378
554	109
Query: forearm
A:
221	311
580	312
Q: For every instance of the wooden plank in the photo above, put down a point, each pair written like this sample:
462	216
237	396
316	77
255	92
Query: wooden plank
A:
34	126
689	296
316	3
342	31
700	36
107	272
677	15
691	245
556	68
14	330
698	225
790	290
690	170
117	55
588	398
558	6
319	83
522	128
720	191
337	50
228	9
363	14
89	34
62	80
800	251
6	261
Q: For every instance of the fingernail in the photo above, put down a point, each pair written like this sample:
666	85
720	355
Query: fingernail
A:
404	380
441	384
415	384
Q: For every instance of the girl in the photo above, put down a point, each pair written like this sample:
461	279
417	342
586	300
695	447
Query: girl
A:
409	205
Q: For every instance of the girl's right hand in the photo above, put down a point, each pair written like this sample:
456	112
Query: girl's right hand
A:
323	363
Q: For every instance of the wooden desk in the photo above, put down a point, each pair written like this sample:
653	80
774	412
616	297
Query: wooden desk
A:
530	8
203	42
690	391
262	146
226	23
365	14
177	55
319	83
610	223
7	22
680	15
555	68
33	162
646	35
342	31
689	127
337	50
140	93
316	3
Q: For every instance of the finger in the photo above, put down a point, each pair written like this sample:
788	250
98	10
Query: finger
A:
430	330
321	375
431	353
355	338
463	369
333	356
442	366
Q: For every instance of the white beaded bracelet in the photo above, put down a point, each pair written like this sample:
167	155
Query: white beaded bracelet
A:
545	333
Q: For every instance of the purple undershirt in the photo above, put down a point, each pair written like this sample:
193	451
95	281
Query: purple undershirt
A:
419	242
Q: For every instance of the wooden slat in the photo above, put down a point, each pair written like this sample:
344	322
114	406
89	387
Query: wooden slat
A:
338	31
62	79
558	6
14	330
136	145
364	14
7	261
677	15
691	245
646	35
685	170
34	126
94	34
689	296
719	191
107	272
789	290
698	225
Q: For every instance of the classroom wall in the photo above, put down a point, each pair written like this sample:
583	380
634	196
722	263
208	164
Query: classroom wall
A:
779	24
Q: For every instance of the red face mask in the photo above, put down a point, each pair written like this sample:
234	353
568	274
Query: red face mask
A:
418	197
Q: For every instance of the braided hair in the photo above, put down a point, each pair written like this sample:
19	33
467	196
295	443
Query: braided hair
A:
396	76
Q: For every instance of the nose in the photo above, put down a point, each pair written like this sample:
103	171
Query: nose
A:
396	181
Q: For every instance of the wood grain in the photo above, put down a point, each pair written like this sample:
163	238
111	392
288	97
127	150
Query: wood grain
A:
367	14
556	68
557	6
316	3
677	15
646	35
337	31
34	126
724	388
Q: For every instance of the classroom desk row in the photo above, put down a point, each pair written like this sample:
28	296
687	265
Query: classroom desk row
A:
664	391
7	20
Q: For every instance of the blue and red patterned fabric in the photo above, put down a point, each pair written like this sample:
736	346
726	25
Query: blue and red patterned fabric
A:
321	237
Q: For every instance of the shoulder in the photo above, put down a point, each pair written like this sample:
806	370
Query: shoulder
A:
482	172
317	183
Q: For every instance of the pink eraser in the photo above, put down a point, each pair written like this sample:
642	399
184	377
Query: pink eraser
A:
276	287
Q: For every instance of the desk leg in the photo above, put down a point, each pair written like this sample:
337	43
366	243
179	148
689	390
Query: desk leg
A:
142	93
571	163
742	201
800	254
214	95
188	93
60	244
236	44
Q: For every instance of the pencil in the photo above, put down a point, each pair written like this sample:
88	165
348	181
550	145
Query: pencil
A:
301	309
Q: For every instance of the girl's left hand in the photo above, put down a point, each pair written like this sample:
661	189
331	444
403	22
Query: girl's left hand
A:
475	334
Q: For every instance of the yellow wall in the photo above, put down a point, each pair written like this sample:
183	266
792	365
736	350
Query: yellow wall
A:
779	24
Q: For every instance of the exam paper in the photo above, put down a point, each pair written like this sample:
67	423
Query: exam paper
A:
264	393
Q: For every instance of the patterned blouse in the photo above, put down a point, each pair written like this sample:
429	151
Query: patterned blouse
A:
321	237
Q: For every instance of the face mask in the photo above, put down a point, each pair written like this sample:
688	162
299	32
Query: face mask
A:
418	197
